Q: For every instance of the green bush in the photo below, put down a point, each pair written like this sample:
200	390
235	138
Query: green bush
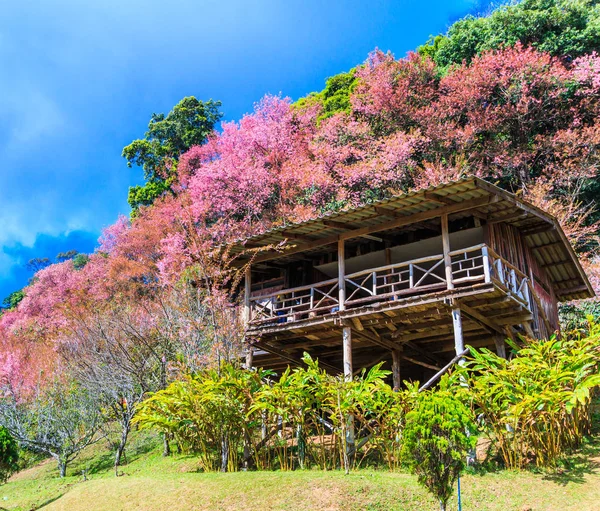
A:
438	434
9	455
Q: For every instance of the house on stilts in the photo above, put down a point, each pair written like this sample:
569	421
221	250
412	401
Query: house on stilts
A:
408	280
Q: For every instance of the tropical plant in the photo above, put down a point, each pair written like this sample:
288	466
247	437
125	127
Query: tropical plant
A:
537	405
207	414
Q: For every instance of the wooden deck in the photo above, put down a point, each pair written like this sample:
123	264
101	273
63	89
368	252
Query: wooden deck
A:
404	306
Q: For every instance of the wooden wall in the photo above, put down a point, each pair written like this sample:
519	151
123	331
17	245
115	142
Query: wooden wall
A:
508	242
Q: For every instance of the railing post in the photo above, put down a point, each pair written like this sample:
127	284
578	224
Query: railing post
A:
411	276
374	283
500	271
526	293
513	281
486	264
342	274
312	298
446	248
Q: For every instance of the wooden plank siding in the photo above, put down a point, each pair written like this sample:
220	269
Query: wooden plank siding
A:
509	243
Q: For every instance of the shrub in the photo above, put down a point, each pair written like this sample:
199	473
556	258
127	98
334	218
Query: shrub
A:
438	434
9	455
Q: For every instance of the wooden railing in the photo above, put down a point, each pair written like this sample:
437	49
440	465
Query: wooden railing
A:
296	303
393	280
509	277
477	264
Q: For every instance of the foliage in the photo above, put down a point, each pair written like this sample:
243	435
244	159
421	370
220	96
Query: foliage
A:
536	406
9	455
13	299
304	418
168	136
206	414
438	434
59	421
580	316
563	28
334	98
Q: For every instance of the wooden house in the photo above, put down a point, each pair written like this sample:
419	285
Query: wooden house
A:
408	280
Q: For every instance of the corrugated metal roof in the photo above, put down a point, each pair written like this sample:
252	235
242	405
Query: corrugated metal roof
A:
542	232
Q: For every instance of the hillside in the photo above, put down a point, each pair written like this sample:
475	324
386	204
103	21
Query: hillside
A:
151	482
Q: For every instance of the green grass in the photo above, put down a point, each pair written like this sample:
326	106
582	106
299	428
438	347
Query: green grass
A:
151	482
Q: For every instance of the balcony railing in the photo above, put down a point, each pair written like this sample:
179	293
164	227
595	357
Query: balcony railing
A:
477	264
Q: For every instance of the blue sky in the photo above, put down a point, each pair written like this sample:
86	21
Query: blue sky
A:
80	80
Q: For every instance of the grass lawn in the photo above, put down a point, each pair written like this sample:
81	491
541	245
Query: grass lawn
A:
151	482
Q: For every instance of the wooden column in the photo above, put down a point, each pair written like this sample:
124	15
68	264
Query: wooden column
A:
350	443
249	357
248	313
500	346
342	274
347	351
247	291
459	343
446	249
396	375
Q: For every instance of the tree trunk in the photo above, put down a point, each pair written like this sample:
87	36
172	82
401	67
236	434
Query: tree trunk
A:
121	448
442	505
224	453
62	467
166	446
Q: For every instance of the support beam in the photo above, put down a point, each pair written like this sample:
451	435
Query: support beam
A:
247	292
342	274
347	351
249	357
480	318
446	249
432	196
459	342
293	358
396	375
442	371
500	346
338	225
347	345
421	363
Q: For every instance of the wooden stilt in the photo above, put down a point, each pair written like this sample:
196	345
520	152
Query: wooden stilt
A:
247	291
446	249
459	343
500	346
342	274
347	346
396	376
249	357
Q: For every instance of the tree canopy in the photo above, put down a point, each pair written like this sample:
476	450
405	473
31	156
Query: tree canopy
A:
189	124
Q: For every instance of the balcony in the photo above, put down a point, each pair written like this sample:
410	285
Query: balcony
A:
474	268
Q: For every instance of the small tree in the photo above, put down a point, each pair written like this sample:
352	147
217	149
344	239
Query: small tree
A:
9	455
437	437
59	421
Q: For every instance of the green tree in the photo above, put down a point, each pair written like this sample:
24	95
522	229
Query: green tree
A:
61	257
13	299
38	263
564	28
335	97
168	136
438	434
9	455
